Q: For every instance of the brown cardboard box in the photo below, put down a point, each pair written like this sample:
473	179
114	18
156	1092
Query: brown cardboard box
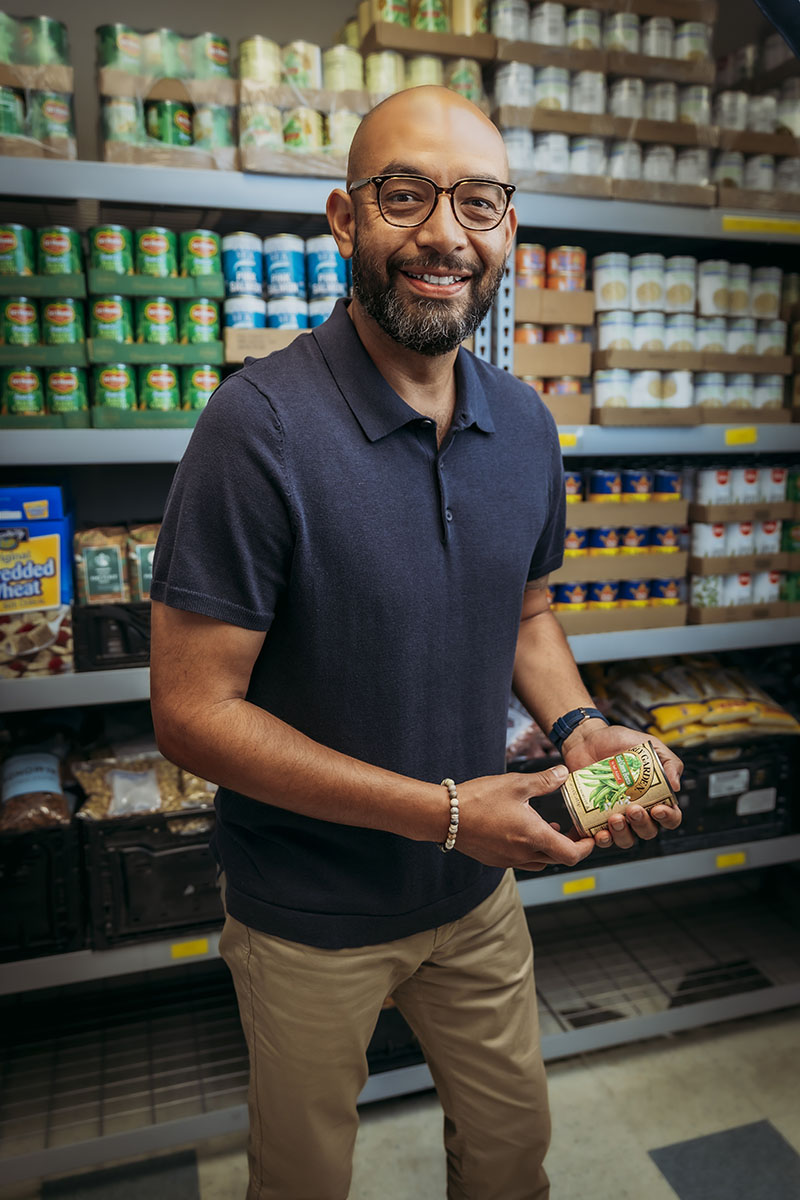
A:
679	10
693	195
588	514
553	184
251	91
619	62
27	147
591	567
609	620
647	416
50	78
550	56
763	201
744	416
569	410
113	82
385	35
775	510
156	154
744	612
780	144
262	160
745	562
550	359
753	364
256	343
654	360
544	306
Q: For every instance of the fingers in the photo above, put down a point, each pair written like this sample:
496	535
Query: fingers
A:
542	782
668	816
637	822
673	766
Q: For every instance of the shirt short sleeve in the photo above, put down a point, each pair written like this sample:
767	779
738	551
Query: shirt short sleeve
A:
549	553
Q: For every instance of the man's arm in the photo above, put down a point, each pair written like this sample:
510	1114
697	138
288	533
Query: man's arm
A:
200	672
547	681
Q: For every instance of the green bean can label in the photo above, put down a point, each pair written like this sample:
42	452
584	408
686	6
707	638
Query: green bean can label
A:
199	321
111	319
119	46
114	386
22	391
211	56
593	792
62	322
169	122
59	251
12	112
159	387
156	252
66	390
50	115
43	41
200	252
111	249
16	250
157	322
198	384
20	324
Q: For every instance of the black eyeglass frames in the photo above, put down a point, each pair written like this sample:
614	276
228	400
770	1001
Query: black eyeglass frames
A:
409	200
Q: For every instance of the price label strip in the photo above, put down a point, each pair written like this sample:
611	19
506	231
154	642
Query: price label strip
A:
736	224
741	435
738	858
194	949
572	887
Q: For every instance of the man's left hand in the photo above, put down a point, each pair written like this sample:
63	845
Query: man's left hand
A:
594	740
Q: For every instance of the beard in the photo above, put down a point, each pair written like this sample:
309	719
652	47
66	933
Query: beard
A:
424	324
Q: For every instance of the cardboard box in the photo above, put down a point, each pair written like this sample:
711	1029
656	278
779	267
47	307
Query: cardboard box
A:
730	565
744	612
611	620
544	306
693	195
782	145
102	350
762	201
647	416
550	56
251	91
12	146
619	62
113	82
49	78
548	120
675	133
647	360
752	364
551	183
385	35
744	416
588	514
775	510
155	154
569	410
319	163
679	10
35	549
591	567
256	343
549	359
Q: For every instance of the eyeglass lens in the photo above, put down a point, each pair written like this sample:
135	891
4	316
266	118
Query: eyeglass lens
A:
408	200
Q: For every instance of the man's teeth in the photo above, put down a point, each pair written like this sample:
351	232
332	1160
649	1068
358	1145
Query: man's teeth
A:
441	280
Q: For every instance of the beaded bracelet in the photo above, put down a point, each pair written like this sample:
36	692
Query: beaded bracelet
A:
450	840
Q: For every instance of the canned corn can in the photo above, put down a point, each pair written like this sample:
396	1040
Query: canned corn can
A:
50	115
326	270
637	483
122	119
20	322
260	59
576	542
243	264
572	596
12	112
159	387
111	249
200	252
119	46
42	42
604	594
210	56
16	250
301	64
198	383
156	251
156	321
21	393
212	126
431	15
667	484
261	125
604	539
302	129
604	485
665	592
114	386
634	593
287	312
65	390
665	539
573	484
62	322
245	312
634	539
111	319
285	265
199	321
168	121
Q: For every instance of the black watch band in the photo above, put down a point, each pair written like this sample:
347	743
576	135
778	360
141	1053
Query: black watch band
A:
570	721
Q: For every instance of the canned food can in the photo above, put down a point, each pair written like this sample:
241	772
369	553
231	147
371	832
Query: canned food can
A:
739	538
677	389
384	72
759	172
111	249
302	129
168	121
584	29
285	265
301	64
739	390
122	119
634	539
731	109
42	42
260	59
200	252
604	484
549	24
245	312
572	596
667	484
659	164
159	387
634	593
576	542
790	538
156	251
693	166
694	105
737	589
692	41
50	115
657	37
430	15
111	318
211	56
519	144
528	333
469	16
604	539
12	112
646	389
741	335
625	160
604	594
762	113
21	392
587	156
587	92
199	321
573	484
637	483
320	309
666	592
212	126
119	46
156	321
728	169
513	84
341	128
706	591
325	269
464	75
342	69
260	125
713	485
766	587
243	264
745	485
709	539
679	283
787	176
648	331
20	322
563	385
65	390
615	330
114	386
198	383
710	334
62	322
530	256
626	98
287	312
713	287
424	69
680	332
774	483
612	281
661	102
396	12
767	537
622	31
765	294
565	281
771	337
534	381
612	388
593	792
58	251
563	335
551	88
510	19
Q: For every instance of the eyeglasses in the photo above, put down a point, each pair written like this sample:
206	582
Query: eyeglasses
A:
408	200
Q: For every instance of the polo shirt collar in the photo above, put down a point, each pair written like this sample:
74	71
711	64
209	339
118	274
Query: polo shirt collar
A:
376	406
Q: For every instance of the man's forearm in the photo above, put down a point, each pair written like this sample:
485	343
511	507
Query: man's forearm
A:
546	678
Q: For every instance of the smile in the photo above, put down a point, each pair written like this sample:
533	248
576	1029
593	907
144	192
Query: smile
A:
439	280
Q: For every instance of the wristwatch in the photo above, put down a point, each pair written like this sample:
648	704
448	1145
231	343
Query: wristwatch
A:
570	721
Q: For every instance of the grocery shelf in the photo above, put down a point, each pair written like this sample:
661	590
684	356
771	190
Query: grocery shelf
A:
68	691
87	447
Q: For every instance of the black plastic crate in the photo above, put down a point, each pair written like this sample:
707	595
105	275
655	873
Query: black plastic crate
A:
42	909
108	636
149	876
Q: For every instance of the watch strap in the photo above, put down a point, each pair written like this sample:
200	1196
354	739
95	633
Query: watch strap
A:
570	721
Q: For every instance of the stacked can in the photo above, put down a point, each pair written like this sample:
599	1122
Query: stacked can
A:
302	280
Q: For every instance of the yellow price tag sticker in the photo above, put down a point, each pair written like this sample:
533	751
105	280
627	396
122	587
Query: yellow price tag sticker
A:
741	435
572	887
567	440
736	224
189	949
737	859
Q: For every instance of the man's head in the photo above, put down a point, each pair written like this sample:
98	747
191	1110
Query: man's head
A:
427	285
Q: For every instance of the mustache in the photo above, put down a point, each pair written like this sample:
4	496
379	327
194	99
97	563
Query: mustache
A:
450	264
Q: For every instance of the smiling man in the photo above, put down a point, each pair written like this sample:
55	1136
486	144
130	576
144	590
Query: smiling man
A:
351	573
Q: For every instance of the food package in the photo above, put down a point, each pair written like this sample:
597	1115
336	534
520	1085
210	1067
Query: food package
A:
35	538
101	565
36	643
197	792
32	796
141	548
139	784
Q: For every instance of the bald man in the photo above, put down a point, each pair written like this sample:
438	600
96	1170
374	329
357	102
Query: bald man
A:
351	573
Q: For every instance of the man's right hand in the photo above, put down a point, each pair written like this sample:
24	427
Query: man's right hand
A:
498	827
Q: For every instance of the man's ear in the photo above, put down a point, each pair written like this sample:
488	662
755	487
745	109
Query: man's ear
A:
341	219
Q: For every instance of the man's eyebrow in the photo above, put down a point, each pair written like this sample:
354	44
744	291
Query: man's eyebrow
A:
402	168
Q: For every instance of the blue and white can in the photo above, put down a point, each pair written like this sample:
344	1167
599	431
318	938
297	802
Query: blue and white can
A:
319	310
287	312
325	268
245	312
242	264
285	266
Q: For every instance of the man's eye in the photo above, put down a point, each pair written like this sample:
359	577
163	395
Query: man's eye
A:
402	197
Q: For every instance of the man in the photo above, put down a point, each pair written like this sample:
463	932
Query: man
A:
353	564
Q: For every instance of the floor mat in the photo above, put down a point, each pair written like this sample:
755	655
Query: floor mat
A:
173	1176
751	1162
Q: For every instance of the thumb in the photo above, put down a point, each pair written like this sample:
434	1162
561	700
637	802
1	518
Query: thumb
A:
550	780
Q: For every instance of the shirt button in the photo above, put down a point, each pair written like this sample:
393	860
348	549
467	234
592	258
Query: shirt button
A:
448	514
427	422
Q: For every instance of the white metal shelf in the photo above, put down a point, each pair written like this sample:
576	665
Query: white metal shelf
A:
617	441
70	691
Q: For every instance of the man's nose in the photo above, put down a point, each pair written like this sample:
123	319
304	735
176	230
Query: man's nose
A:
441	228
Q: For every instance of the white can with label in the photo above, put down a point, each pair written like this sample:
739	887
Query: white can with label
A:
762	113
739	538
728	169
680	273
730	110
549	24
584	29
551	153
713	485
647	282
740	337
787	175
519	148
759	172
706	591
737	589
708	539
694	104
712	287
768	391
611	274
709	389
692	42
587	156
771	337
551	88
612	388
648	331
511	19
622	31
711	334
773	482
739	282
679	332
693	166
615	330
587	92
646	390
514	85
661	102
626	98
287	312
767	537
739	390
745	484
658	35
658	164
625	160
765	293
245	312
766	587
677	389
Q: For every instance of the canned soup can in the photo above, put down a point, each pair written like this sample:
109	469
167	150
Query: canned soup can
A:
680	332
636	776
584	30
612	281
287	312
604	540
615	330
572	596
622	31
604	594
20	322
634	539
576	542
243	264
612	388
604	484
666	592
62	322
111	318
65	390
667	484
637	483
326	270
647	282
648	331
285	266
200	252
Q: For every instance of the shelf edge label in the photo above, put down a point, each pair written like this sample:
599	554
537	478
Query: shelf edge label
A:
741	435
566	440
736	224
571	887
189	949
737	859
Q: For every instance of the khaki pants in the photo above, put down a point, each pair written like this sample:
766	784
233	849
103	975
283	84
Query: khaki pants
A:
467	991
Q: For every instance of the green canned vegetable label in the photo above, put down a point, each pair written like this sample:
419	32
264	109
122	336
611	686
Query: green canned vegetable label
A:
50	115
111	319
211	56
111	249
12	112
42	41
62	322
157	323
16	250
66	390
199	321
169	122
119	46
159	387
8	38
123	119
22	391
20	324
200	252
198	383
156	252
114	386
59	251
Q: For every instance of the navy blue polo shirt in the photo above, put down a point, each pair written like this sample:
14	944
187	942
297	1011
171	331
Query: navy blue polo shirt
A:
313	503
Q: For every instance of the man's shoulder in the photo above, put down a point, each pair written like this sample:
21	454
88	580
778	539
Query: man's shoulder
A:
506	393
